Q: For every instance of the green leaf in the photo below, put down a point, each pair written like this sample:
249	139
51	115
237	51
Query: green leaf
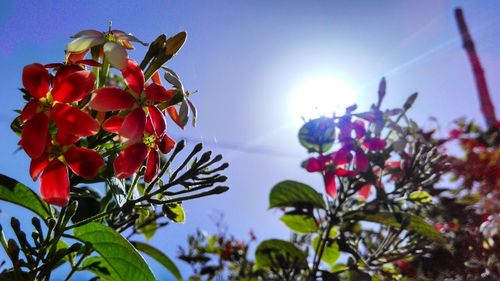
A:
331	251
420	197
274	250
302	224
175	212
317	135
124	262
412	223
100	267
17	193
340	267
160	257
294	194
146	223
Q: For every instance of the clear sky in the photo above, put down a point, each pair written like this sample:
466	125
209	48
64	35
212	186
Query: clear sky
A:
247	59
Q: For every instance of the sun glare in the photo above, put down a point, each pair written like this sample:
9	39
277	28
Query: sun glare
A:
321	95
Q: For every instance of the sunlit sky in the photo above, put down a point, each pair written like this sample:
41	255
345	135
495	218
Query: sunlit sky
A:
249	60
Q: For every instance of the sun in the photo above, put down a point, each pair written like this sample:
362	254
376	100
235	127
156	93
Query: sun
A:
320	96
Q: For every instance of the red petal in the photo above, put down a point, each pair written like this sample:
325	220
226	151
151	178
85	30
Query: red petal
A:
315	165
134	124
166	144
359	128
113	124
330	185
130	160
88	63
54	183
157	93
36	80
65	138
64	71
343	155
365	191
29	110
38	165
156	78
83	161
34	135
361	160
134	77
174	115
110	99
74	87
374	144
73	120
157	120
345	173
152	166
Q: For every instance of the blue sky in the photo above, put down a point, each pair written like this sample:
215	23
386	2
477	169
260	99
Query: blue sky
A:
246	59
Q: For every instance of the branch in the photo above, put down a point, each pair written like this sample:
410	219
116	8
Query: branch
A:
484	96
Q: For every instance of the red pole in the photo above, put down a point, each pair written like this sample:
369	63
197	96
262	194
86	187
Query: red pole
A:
487	107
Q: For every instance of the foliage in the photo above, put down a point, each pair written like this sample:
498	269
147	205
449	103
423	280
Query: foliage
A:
378	168
99	117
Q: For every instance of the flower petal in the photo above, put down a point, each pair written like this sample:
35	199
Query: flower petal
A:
63	72
130	160
74	87
172	111
83	44
29	110
83	161
34	135
365	191
36	80
359	128
330	185
314	165
361	160
152	166
115	54
166	144
343	155
113	124
134	77
54	183
73	120
374	144
134	124
111	99
88	33
157	120
65	138
38	165
157	93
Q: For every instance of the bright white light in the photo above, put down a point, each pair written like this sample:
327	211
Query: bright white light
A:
321	95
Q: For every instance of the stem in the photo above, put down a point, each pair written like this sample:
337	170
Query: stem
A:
487	107
75	267
88	220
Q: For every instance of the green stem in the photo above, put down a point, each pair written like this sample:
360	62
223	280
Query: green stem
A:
91	219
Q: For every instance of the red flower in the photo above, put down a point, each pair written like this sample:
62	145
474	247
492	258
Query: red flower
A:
353	144
328	166
70	84
132	124
52	167
155	139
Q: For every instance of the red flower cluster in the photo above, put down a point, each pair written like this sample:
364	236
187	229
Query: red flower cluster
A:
342	163
68	105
